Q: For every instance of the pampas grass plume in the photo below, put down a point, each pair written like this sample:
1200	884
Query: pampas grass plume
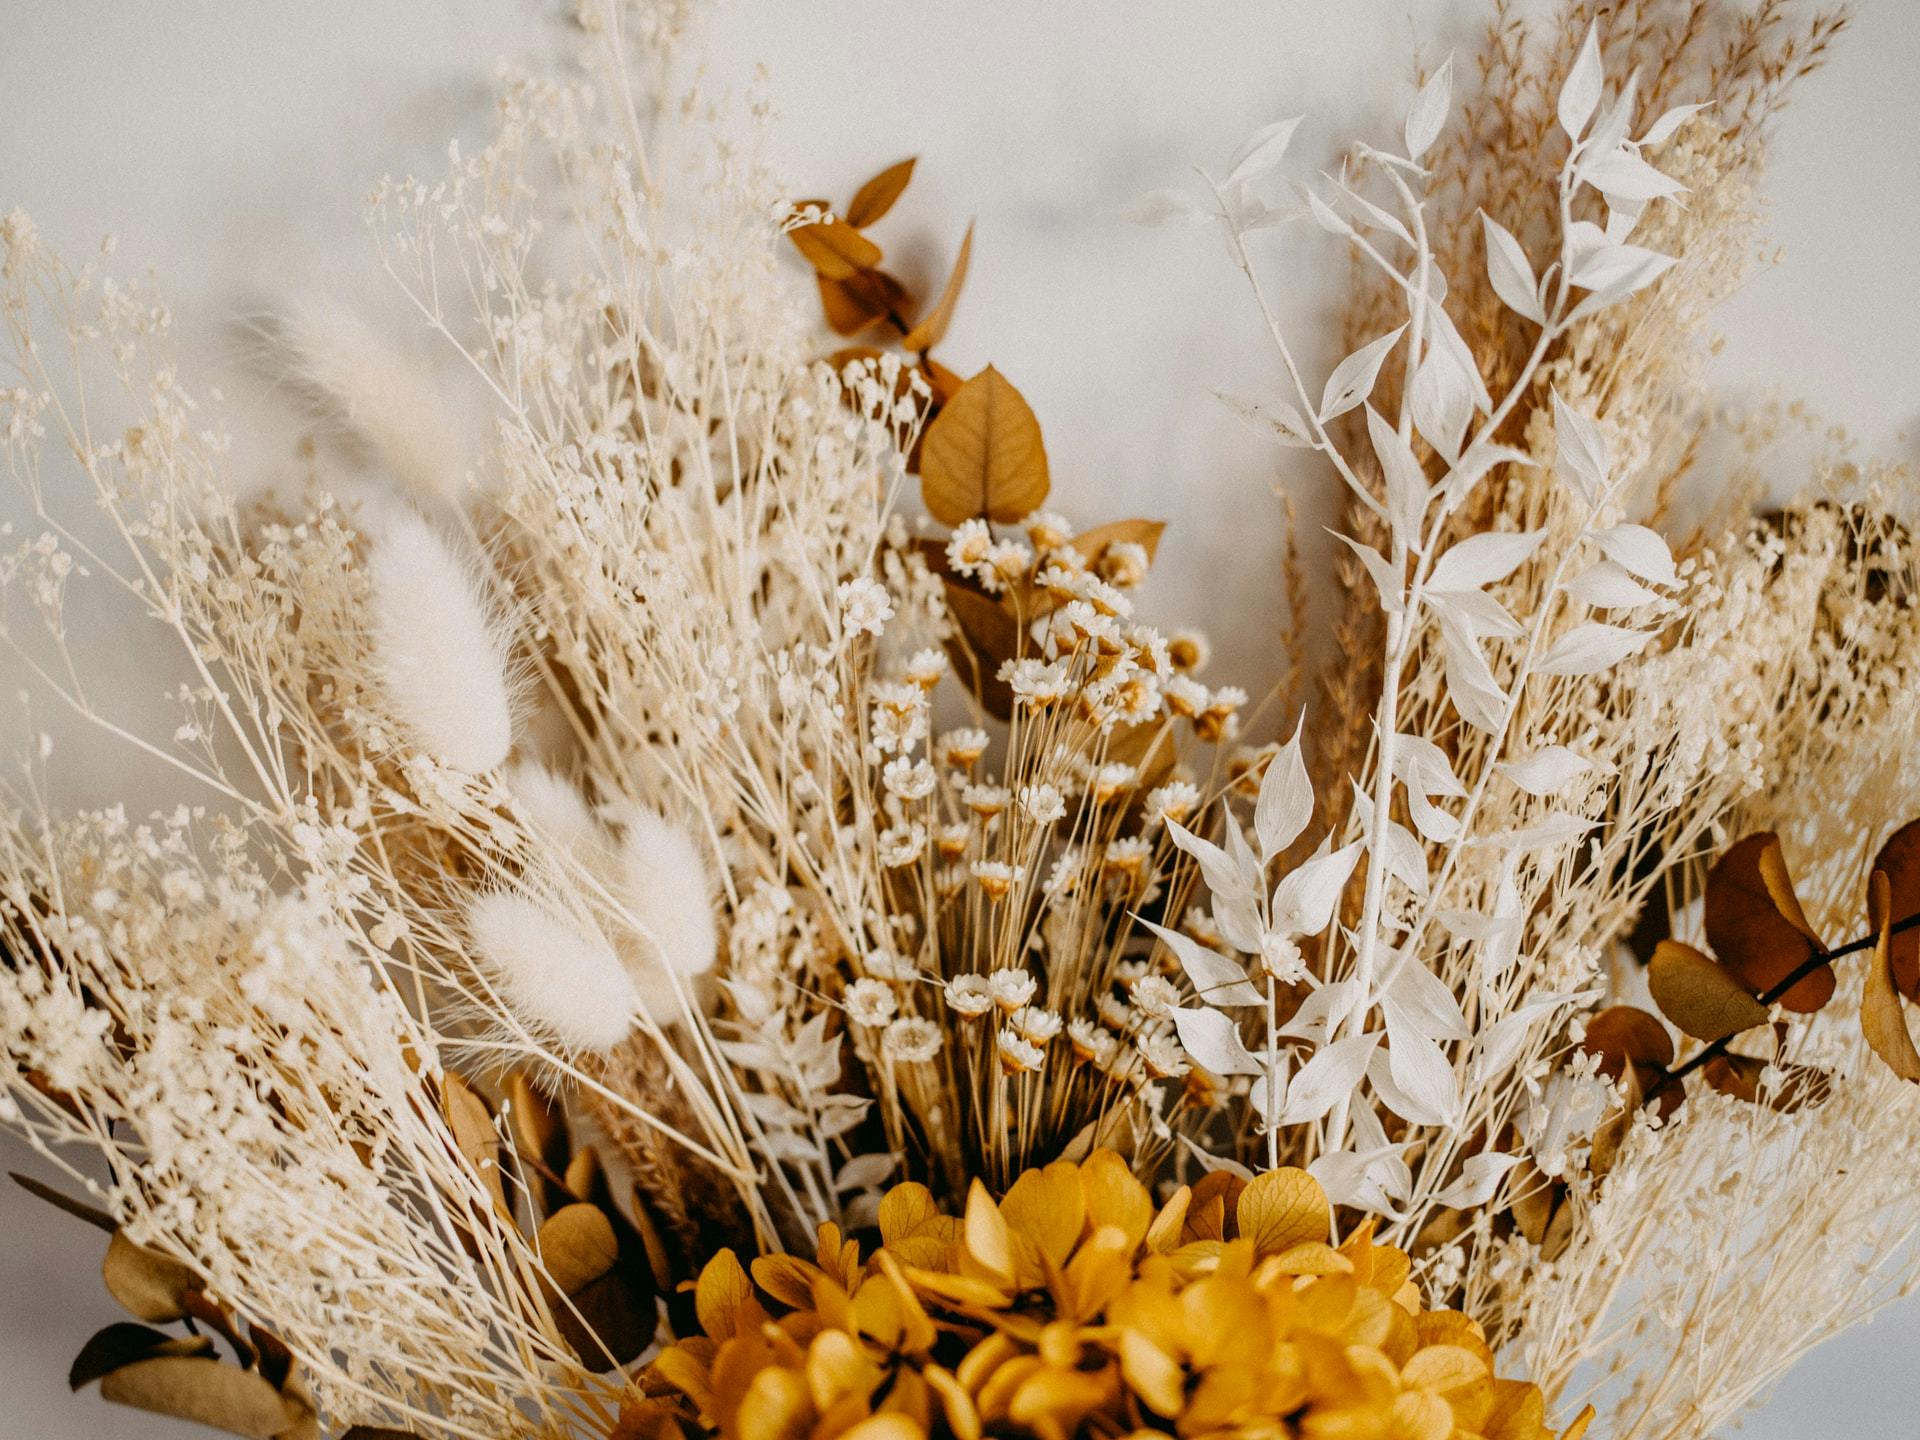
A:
550	803
440	657
665	885
556	977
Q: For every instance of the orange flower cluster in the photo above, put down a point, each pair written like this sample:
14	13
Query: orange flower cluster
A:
1072	1307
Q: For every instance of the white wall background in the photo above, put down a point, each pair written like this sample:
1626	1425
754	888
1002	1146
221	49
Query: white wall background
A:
229	143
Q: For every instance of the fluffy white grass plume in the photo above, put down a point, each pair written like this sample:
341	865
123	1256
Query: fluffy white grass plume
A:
667	889
375	393
440	656
550	804
556	977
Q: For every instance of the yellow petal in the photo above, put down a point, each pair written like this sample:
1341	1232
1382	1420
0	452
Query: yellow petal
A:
1045	1207
989	1243
962	1418
1283	1208
1115	1197
786	1278
836	1368
775	1407
723	1298
1164	1233
1152	1374
1441	1368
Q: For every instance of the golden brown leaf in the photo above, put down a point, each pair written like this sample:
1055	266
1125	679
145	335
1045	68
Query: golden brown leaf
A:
863	299
1751	933
983	455
876	197
1696	992
147	1284
1739	1076
1899	861
834	248
201	1389
1622	1035
932	328
607	1316
471	1122
1092	544
1883	1020
987	636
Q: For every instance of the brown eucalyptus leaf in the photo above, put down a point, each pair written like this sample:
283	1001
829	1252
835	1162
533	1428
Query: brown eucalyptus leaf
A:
1751	934
148	1285
1883	1019
610	1289
471	1122
1739	1076
1624	1034
863	299
194	1387
1092	544
834	248
983	455
987	636
1899	861
123	1343
876	197
540	1135
932	328
944	383
79	1209
1696	992
1779	887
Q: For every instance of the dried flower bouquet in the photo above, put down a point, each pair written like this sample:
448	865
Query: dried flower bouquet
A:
665	935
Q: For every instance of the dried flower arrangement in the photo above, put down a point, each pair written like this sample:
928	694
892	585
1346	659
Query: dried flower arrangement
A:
663	855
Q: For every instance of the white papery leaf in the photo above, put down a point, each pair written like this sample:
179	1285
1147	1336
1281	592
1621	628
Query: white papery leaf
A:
1663	128
1500	1044
1476	611
863	1172
1358	1179
1479	458
1427	1002
1443	335
1220	873
1428	1093
1421	765
1261	151
1639	550
1429	112
1405	859
1352	379
1268	1093
1480	1175
1622	217
1333	1074
1611	128
1470	684
1167	207
1213	1040
1324	215
1588	649
1431	821
1511	273
1304	900
1581	92
1547	771
1557	827
1623	175
1322	1011
1406	484
1481	560
1365	210
1238	920
1215	978
1442	402
1607	587
1581	451
1389	585
1286	799
1620	270
1275	419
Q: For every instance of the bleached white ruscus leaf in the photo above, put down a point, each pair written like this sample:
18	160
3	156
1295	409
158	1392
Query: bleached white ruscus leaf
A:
1235	882
1623	175
1441	399
1581	454
1477	460
1426	1000
1418	1084
1581	92
1547	771
1353	378
1421	765
1611	128
1620	270
1406	483
1262	150
1481	560
1429	111
1480	1175
1365	212
1470	683
1216	979
1607	587
1391	587
1637	549
1275	419
1213	1040
1322	1012
1285	804
1590	648
1329	1077
1304	900
1511	273
1663	129
1324	215
1268	1092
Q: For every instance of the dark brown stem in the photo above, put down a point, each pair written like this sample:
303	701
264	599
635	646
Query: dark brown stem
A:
1800	972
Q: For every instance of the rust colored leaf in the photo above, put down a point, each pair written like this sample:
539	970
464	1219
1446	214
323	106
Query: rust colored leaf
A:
876	197
987	636
834	248
1622	1035
471	1122
1092	544
1739	1076
1697	993
1899	861
983	455
932	328
1883	1020
1748	929
862	300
